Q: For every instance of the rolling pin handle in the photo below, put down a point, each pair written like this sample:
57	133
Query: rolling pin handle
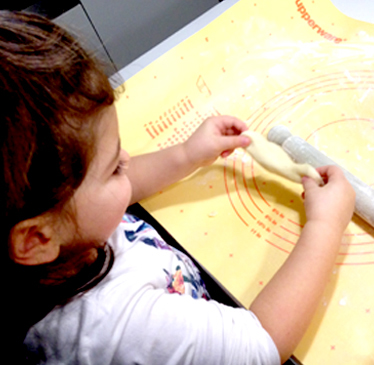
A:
279	134
302	152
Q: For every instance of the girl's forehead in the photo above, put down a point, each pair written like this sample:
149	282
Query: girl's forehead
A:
108	125
107	141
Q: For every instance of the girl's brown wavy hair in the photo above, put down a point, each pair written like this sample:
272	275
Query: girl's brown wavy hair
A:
51	92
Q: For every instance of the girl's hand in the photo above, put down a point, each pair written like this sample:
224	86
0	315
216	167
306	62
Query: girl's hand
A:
216	136
298	286
332	204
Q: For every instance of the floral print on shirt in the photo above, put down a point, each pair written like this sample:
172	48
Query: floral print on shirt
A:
184	274
175	282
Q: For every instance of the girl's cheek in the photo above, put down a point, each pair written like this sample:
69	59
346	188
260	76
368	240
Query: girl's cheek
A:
126	190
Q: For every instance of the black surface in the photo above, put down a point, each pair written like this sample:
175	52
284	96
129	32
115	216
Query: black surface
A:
49	8
16	4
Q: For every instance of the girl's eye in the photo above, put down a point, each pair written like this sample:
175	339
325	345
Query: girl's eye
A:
121	167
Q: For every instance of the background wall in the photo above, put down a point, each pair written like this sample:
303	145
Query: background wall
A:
357	9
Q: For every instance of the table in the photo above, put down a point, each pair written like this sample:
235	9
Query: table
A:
303	64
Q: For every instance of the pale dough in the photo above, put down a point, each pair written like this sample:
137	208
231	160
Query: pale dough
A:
274	159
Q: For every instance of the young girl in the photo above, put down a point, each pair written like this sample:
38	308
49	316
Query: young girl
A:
84	282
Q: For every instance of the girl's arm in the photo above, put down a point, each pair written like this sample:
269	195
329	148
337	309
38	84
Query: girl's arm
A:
286	305
152	172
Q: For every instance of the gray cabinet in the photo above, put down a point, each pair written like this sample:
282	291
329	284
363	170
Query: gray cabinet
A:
77	22
129	28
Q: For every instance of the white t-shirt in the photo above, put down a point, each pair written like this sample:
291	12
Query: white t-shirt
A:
149	309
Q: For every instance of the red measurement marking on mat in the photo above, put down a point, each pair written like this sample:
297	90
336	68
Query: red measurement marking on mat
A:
178	111
202	86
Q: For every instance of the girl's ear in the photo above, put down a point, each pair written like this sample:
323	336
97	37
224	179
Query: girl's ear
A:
32	242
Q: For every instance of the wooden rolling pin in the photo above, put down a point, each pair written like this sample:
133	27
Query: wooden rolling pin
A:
302	152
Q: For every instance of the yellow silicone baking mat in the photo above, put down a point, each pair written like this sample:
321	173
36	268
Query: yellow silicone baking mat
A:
302	64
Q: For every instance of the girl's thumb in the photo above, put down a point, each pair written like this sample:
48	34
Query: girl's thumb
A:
232	142
308	182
